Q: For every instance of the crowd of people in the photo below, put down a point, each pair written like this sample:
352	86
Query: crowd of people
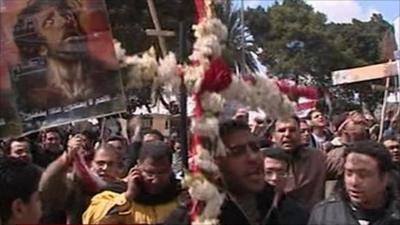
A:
311	170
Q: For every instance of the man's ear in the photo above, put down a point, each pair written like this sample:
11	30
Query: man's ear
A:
273	138
18	210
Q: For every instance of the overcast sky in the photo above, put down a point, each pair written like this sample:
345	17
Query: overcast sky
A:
343	11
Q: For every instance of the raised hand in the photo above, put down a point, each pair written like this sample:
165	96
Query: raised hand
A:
133	179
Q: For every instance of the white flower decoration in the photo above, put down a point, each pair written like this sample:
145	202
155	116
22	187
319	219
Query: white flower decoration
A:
206	127
212	102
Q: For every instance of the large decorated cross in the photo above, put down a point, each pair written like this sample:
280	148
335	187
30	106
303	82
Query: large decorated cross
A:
212	85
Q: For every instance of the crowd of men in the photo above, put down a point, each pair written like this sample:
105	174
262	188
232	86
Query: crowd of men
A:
289	171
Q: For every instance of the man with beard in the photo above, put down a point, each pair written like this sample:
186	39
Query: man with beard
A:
50	147
49	35
366	197
307	172
151	194
68	183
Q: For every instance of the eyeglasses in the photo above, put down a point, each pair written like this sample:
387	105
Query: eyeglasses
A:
152	175
239	150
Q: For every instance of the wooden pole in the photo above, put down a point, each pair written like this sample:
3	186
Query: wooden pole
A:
183	98
156	22
385	96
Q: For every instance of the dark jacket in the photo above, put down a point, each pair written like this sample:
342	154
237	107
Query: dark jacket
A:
290	212
336	210
132	155
287	212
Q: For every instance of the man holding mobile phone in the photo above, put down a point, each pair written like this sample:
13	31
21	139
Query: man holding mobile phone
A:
151	194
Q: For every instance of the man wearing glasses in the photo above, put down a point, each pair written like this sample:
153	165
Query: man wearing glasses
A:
151	194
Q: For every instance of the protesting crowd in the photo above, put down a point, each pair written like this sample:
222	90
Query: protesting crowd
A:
77	147
294	171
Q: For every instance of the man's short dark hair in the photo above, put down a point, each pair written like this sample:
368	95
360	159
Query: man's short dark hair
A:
390	138
276	153
108	148
156	133
229	126
117	138
309	114
156	150
43	133
373	149
7	148
91	135
18	180
294	117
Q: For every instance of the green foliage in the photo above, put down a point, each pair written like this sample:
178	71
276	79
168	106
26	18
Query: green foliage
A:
129	21
298	43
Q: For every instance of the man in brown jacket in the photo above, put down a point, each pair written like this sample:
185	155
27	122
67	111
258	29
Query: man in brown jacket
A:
307	173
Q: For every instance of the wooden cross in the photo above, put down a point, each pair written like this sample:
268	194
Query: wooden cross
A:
160	34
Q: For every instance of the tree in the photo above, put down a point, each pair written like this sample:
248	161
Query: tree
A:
364	43
294	41
130	19
298	43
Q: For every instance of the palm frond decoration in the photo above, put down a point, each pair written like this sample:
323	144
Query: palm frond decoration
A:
241	50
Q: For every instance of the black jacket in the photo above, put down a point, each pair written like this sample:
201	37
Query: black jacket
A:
336	210
286	213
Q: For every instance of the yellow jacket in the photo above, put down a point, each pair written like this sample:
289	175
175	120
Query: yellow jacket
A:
113	208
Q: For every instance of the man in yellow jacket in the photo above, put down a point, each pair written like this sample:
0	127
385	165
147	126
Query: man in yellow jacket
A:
151	194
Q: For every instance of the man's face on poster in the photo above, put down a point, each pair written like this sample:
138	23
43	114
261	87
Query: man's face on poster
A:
61	32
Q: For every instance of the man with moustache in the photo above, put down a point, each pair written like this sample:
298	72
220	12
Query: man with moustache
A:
50	147
151	194
366	196
49	35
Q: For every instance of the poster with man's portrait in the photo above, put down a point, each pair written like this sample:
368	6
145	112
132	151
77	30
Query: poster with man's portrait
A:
9	123
62	64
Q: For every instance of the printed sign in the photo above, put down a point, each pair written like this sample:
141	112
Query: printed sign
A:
60	63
